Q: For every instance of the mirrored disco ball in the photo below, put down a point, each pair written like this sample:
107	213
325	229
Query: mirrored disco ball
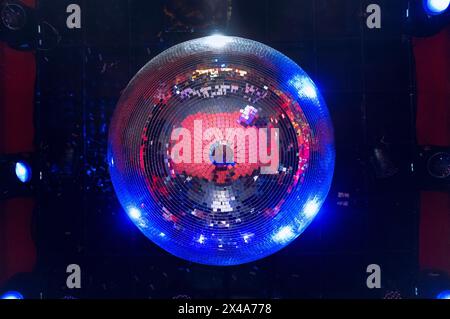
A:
221	150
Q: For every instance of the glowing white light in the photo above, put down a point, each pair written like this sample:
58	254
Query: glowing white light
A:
437	6
444	295
247	237
134	213
217	40
12	295
23	172
309	91
304	87
311	208
201	239
162	235
284	235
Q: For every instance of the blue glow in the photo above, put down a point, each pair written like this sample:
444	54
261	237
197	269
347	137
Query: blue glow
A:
23	172
12	295
284	235
311	208
444	295
134	213
435	7
304	86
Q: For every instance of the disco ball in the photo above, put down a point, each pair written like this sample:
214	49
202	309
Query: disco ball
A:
221	150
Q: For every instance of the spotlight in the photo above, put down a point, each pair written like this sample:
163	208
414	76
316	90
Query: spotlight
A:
444	295
12	295
435	7
23	172
16	178
425	18
433	284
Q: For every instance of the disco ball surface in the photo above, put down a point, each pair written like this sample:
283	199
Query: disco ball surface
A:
221	150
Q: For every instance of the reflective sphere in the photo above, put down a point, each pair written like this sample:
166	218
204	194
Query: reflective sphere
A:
221	150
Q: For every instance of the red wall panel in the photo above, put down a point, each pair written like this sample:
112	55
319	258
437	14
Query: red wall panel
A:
17	82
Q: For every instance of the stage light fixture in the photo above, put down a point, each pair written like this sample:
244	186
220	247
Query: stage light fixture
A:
16	177
13	15
435	7
433	284
18	25
23	171
425	18
432	167
438	165
12	295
